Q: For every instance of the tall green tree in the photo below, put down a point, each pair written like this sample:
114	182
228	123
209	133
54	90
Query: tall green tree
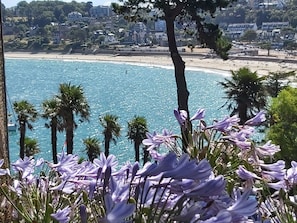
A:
92	148
31	147
187	12
245	93
111	130
72	101
283	129
137	129
26	114
249	35
51	112
277	81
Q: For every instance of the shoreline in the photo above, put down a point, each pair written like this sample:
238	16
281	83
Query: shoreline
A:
217	65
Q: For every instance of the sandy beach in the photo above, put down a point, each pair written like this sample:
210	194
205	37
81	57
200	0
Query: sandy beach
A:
261	66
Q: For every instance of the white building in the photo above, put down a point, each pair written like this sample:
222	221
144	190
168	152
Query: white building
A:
74	17
236	30
100	11
270	26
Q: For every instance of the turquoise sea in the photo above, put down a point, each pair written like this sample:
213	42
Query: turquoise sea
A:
121	89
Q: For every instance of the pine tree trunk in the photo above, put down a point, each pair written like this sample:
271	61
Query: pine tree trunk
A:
180	79
4	150
6	209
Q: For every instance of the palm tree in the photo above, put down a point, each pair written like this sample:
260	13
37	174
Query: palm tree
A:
111	130
51	112
92	147
137	129
26	113
245	93
72	101
31	147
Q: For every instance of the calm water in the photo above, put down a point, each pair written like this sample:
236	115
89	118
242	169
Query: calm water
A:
122	89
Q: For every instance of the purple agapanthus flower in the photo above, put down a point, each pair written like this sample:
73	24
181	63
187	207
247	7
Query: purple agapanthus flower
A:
198	115
169	162
105	162
212	187
286	178
279	185
65	186
242	144
222	217
292	173
268	149
62	215
67	163
116	212
226	124
25	166
245	174
187	168
86	169
257	120
242	135
155	155
277	166
181	116
120	190
244	205
148	193
152	141
273	175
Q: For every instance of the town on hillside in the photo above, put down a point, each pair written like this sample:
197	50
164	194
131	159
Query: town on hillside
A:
89	29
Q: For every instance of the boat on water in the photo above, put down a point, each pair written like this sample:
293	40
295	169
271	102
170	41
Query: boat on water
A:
11	122
12	127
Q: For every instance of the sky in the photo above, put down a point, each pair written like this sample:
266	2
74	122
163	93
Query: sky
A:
11	3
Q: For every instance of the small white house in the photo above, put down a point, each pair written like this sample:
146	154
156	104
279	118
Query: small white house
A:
74	17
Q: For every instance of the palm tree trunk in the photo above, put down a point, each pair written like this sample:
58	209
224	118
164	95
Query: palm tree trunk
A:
242	113
22	139
106	147
180	79
54	139
136	148
69	133
145	155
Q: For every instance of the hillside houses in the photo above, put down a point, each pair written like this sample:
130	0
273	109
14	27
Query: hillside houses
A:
267	31
102	16
236	30
98	26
